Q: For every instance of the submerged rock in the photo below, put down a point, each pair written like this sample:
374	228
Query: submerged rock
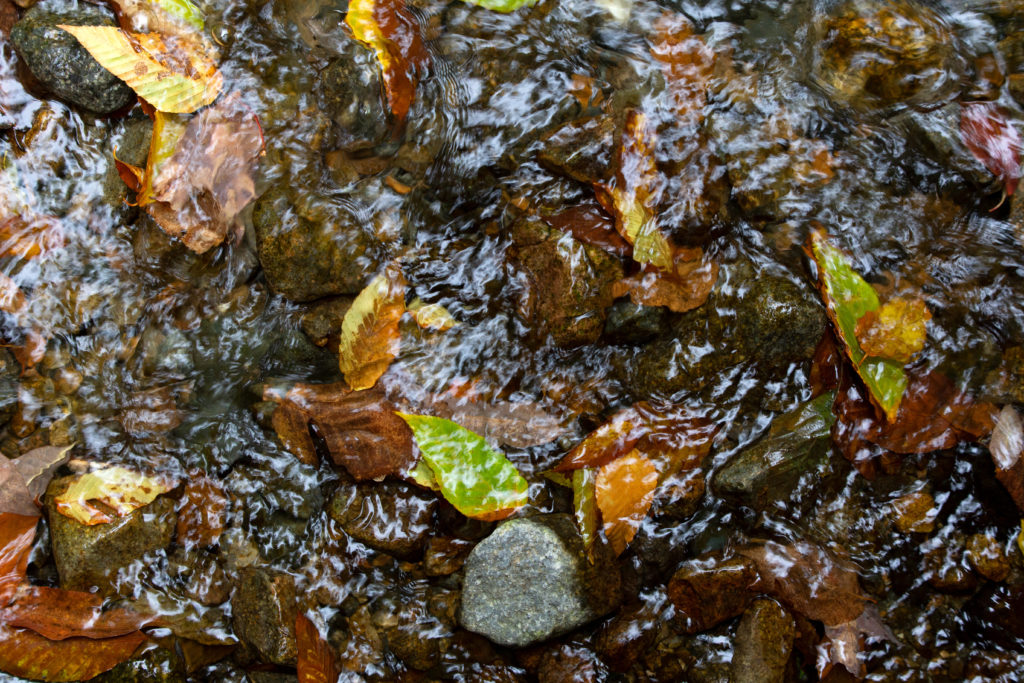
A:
392	517
764	641
263	613
530	580
709	590
61	64
349	92
90	556
568	284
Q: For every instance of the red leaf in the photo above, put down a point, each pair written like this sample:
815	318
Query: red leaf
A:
993	140
316	658
590	224
58	614
29	655
16	535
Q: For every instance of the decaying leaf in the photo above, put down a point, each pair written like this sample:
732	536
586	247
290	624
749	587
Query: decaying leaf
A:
360	429
369	333
895	331
993	140
1007	449
172	73
624	491
16	535
58	614
202	514
847	299
478	480
24	479
389	29
316	658
584	507
117	490
12	300
682	289
634	194
431	316
30	235
27	654
198	192
590	224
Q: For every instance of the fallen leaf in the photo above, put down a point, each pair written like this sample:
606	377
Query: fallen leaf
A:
172	73
12	300
895	331
687	63
316	663
25	478
590	224
503	5
624	491
809	580
198	193
360	429
27	654
844	643
369	332
58	614
202	513
153	410
686	287
613	439
1007	447
825	366
993	140
30	235
119	490
584	507
634	193
519	424
16	535
847	298
431	316
478	480
389	29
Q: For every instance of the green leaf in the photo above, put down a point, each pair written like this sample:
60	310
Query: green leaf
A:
503	5
584	506
847	298
182	9
478	480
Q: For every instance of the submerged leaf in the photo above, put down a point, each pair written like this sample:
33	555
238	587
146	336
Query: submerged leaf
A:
170	72
503	5
682	289
16	535
120	490
58	614
1007	448
584	506
478	480
624	491
24	479
202	514
848	298
369	332
389	29
30	235
895	331
27	654
517	424
431	316
993	140
687	63
316	662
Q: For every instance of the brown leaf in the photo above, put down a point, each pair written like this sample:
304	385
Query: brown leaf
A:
687	63
360	428
895	331
30	235
27	654
316	658
810	580
685	288
825	366
1007	447
200	191
153	410
16	535
370	339
993	140
24	479
590	224
58	614
202	514
624	492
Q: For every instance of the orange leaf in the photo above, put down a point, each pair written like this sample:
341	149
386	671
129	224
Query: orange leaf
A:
16	535
895	331
624	492
370	339
27	654
203	512
589	224
58	614
686	287
30	236
687	63
316	658
11	298
611	440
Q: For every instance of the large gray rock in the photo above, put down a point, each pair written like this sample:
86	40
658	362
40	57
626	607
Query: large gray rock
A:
88	556
61	64
530	581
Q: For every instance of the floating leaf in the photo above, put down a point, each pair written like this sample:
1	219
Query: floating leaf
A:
316	658
369	333
682	289
16	535
847	298
24	479
389	29
27	654
584	506
993	140
169	72
431	316
119	490
478	480
895	331
624	491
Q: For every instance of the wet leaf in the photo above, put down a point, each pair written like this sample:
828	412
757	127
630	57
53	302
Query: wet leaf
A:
590	224
198	193
12	300
895	331
30	235
170	72
613	439
847	298
316	658
58	614
584	507
809	580
993	140
624	491
369	333
478	480
518	424
1007	449
687	63
202	514
162	16
120	492
686	287
359	428
634	193
27	654
431	316
16	535
389	29
844	643
25	478
503	5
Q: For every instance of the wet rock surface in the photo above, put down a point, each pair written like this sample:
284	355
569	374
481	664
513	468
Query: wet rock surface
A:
394	518
264	613
529	581
764	641
62	65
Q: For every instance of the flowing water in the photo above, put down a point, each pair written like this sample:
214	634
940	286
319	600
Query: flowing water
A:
158	359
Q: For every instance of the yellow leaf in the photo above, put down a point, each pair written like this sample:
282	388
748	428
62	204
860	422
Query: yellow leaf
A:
369	332
624	493
171	73
431	316
895	331
117	489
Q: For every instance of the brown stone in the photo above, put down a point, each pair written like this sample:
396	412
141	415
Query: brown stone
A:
764	641
708	591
